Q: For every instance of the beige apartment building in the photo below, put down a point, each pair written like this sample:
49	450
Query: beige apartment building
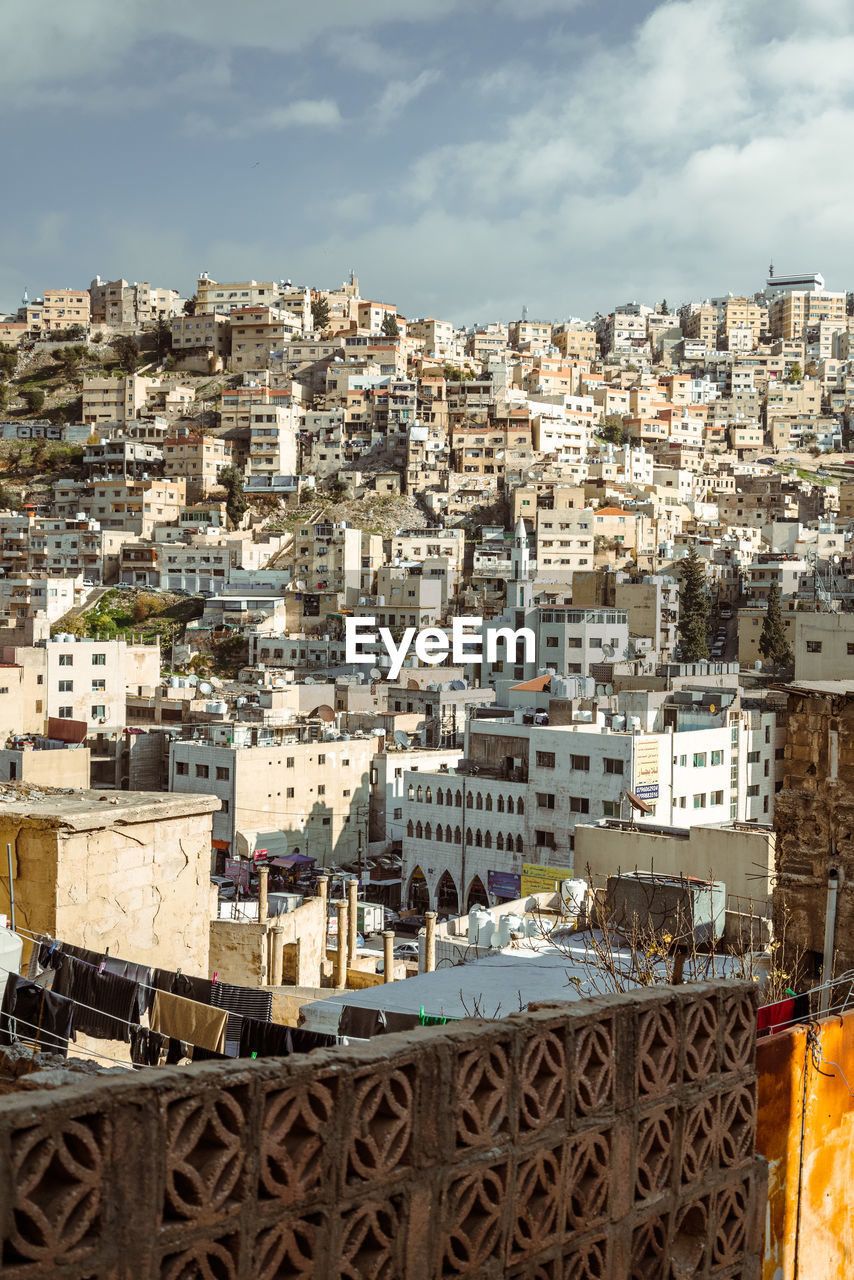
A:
795	311
337	558
257	333
59	309
699	322
22	597
225	298
199	459
435	336
575	343
290	796
119	304
204	331
743	314
135	506
536	332
419	544
116	399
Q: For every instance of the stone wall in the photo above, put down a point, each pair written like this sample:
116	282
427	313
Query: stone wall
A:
606	1138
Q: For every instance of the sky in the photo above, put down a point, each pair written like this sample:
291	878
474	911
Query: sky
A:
466	157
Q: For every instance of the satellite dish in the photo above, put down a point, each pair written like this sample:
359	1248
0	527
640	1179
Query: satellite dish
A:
608	650
609	689
458	685
309	680
375	673
205	687
401	738
600	691
192	681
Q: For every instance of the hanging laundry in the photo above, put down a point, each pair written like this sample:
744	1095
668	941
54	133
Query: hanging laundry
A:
30	1013
188	1020
248	1002
147	1048
111	1003
272	1040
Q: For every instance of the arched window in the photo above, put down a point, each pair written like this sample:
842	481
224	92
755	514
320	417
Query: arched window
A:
469	836
449	799
478	839
458	799
520	805
440	796
410	792
428	832
419	831
500	804
449	834
469	800
419	794
510	805
519	845
410	830
489	803
479	801
499	841
439	836
457	835
428	796
487	840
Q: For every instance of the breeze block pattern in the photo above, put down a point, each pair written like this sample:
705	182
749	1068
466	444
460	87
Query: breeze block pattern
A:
600	1140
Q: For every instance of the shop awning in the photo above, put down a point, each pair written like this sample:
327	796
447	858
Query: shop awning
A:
291	860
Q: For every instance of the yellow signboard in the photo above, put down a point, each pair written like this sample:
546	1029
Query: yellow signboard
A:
646	769
537	879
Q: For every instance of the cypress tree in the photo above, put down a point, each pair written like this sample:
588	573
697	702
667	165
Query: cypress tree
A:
773	643
693	608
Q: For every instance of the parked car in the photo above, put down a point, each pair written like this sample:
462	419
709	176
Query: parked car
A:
332	941
406	951
726	611
410	924
227	889
391	918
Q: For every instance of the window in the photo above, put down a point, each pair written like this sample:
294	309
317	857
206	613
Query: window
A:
321	790
545	759
813	646
99	659
182	768
780	753
65	713
753	789
99	686
717	797
398	813
753	757
222	773
224	806
545	801
551	642
98	711
579	804
611	808
683	760
202	770
682	800
321	759
717	757
545	839
66	659
66	686
699	759
289	762
612	765
580	763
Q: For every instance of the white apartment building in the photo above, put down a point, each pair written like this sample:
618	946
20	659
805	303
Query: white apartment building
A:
564	543
522	789
388	793
21	597
337	558
273	440
89	680
313	795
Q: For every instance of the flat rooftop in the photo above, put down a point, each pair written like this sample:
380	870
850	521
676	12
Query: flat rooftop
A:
88	810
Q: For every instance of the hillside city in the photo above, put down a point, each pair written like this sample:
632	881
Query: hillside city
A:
363	673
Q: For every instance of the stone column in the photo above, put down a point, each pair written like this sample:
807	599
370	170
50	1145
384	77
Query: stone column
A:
429	941
323	890
388	955
341	953
263	873
353	919
276	935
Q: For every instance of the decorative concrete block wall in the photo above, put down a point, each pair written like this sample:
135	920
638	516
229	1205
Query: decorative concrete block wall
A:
600	1140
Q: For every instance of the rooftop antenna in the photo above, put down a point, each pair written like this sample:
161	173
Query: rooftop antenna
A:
524	313
771	271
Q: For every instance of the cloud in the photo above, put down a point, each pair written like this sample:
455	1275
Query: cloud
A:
319	113
399	93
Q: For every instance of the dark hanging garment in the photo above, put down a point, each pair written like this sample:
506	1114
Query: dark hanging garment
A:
250	1002
147	1048
138	973
177	1051
40	1017
191	988
271	1040
111	1003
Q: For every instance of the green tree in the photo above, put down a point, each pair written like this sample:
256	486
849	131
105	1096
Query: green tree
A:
8	360
320	312
773	642
614	431
9	500
69	359
5	396
231	480
190	305
162	330
127	352
390	327
693	608
33	398
796	373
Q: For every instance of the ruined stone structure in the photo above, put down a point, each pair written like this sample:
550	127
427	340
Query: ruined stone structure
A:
603	1139
814	821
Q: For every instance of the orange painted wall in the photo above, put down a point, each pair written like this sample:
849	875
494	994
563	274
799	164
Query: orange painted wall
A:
823	1241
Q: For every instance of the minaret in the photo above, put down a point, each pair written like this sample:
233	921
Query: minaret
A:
520	593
